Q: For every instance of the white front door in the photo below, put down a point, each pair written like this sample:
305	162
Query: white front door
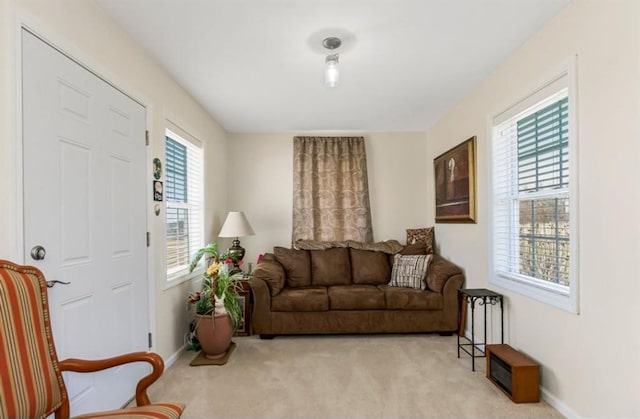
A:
84	203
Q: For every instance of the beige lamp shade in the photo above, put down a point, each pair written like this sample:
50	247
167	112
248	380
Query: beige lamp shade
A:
236	225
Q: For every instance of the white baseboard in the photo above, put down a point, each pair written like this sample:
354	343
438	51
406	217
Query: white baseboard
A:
173	358
558	404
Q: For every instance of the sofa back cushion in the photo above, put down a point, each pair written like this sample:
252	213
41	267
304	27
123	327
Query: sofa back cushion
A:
417	248
330	266
296	264
369	267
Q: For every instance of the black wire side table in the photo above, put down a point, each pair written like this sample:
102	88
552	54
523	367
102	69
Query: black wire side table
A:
483	297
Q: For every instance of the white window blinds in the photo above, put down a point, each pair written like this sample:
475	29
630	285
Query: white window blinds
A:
531	190
184	200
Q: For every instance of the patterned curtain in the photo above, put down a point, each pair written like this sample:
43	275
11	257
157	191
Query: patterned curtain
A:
330	189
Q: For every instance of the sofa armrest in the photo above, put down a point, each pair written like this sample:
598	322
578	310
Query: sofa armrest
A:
447	278
272	272
450	307
439	272
261	316
451	287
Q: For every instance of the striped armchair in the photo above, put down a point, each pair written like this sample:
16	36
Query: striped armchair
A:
31	384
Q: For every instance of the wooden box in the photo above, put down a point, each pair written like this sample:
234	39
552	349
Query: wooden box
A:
514	373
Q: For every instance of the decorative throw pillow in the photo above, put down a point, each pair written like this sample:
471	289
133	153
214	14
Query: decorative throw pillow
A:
387	246
421	235
410	271
318	245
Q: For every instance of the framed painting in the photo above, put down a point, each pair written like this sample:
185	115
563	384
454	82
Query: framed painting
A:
455	177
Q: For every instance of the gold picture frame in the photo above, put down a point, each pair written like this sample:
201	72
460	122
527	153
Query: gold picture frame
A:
455	184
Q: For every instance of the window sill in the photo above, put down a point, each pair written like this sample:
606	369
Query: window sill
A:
561	299
176	279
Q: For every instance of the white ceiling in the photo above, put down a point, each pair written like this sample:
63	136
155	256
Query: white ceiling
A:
258	65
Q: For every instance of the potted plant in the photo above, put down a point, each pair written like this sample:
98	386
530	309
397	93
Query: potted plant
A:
217	311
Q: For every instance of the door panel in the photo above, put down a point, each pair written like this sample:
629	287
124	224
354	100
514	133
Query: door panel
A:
75	213
85	203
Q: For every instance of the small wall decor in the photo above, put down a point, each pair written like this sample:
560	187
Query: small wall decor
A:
157	169
157	190
455	177
156	209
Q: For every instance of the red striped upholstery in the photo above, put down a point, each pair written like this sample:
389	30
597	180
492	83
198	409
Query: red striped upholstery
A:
156	410
31	384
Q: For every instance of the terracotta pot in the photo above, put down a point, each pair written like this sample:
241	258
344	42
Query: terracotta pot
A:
214	336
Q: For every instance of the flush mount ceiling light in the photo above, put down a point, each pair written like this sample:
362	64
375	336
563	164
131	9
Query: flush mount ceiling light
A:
331	73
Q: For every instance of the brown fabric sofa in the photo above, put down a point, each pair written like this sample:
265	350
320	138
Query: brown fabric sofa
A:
344	290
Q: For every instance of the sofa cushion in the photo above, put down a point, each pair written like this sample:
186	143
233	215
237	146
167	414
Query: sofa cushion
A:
411	299
418	248
272	272
297	265
356	297
421	235
369	267
330	267
410	271
439	271
301	299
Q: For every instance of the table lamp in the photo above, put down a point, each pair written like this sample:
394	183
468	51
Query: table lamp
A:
236	225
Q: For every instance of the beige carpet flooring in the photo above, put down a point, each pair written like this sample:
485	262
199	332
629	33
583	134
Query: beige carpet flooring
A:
378	376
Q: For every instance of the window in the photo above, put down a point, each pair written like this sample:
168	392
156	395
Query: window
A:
534	226
183	199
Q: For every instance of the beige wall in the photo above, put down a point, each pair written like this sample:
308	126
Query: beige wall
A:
81	29
262	184
591	361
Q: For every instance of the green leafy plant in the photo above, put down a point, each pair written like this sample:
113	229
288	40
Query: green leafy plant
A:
217	281
211	249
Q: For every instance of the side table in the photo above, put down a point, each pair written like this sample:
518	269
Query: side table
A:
483	296
245	300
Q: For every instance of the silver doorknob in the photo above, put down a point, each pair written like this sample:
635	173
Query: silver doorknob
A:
50	284
38	252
